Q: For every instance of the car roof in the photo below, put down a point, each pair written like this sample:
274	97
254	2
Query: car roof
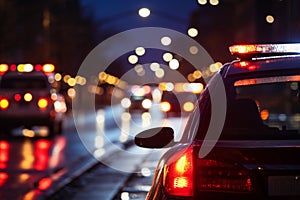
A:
28	75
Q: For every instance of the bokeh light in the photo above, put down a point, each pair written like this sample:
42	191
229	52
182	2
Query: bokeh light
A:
71	93
214	2
192	32
197	74
160	73
270	19
166	41
193	50
140	51
174	64
71	82
57	77
167	57
133	59
154	66
202	2
144	12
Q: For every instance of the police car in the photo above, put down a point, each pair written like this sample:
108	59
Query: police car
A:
28	98
240	144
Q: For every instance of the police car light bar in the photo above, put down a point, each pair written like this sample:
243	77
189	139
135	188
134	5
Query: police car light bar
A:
46	68
3	68
292	48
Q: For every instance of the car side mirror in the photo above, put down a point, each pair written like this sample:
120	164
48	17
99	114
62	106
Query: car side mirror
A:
155	138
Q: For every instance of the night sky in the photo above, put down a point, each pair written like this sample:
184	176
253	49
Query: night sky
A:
123	14
65	31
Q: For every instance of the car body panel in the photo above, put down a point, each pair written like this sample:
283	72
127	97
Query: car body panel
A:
257	154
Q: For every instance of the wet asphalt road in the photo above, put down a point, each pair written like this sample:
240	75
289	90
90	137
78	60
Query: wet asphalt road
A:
39	167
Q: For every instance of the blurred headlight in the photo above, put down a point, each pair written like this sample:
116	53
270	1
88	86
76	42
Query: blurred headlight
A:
125	103
188	106
147	103
165	106
60	106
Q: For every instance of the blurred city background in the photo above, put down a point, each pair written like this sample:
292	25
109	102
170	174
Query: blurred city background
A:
63	32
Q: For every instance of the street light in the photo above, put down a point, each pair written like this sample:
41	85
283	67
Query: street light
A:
270	19
166	41
144	12
174	64
192	32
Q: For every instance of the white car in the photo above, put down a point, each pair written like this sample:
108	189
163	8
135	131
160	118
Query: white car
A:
28	98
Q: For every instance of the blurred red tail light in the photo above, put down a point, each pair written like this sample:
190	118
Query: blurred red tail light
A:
13	67
3	178
178	174
185	173
4	154
42	103
17	97
38	67
42	154
45	183
213	175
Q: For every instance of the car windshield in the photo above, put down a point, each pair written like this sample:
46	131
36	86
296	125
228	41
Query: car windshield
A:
266	108
22	83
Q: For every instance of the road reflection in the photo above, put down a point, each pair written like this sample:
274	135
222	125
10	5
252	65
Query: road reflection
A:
130	124
127	124
32	154
24	160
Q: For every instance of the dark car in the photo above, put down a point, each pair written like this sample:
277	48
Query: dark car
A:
247	147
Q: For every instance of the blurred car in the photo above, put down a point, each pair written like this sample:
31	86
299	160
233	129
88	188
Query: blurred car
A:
178	98
256	155
28	97
140	99
103	95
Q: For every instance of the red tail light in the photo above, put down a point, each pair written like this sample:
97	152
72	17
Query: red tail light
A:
17	97
3	178
42	103
41	154
184	174
213	175
4	104
45	183
4	154
178	174
38	67
13	67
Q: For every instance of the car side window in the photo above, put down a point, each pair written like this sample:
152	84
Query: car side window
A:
196	118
